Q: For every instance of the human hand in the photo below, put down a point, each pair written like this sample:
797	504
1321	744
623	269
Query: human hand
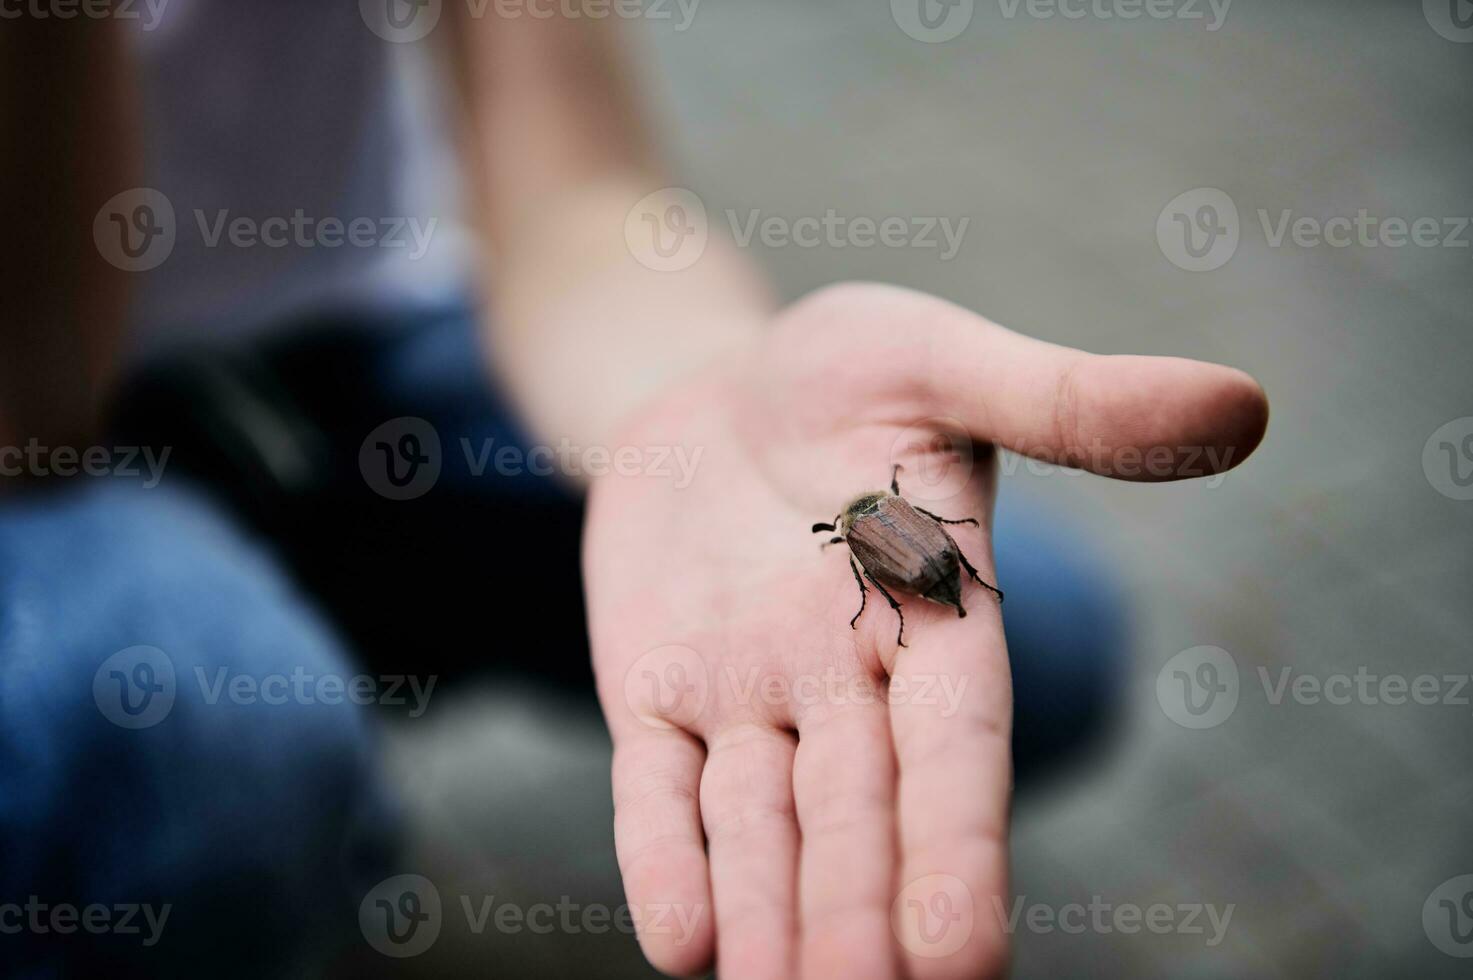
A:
798	777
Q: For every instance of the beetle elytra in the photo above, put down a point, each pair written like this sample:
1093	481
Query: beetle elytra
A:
893	542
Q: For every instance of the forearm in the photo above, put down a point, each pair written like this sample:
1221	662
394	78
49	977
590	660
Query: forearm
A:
65	147
580	331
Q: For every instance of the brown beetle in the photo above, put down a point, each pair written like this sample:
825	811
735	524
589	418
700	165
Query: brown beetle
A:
893	542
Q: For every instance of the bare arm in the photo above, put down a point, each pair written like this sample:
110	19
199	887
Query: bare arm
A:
581	333
66	146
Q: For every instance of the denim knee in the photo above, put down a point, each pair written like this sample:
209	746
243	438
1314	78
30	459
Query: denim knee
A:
1066	628
139	767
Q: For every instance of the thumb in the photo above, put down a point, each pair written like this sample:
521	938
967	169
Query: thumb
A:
1124	416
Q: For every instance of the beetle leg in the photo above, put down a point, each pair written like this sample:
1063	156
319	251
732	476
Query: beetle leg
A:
975	577
942	520
900	636
863	593
895	480
827	527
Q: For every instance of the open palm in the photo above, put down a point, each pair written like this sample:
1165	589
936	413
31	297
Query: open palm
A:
793	796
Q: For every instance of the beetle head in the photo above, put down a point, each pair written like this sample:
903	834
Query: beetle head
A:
860	506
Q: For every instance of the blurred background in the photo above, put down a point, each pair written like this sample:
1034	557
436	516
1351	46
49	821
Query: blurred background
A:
1327	827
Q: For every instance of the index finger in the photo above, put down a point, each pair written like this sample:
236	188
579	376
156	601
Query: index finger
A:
951	718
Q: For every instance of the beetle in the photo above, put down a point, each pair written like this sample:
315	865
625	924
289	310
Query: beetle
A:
893	542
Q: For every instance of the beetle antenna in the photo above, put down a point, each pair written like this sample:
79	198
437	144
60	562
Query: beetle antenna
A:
895	480
823	527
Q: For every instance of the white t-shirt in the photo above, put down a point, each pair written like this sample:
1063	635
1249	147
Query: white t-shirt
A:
306	166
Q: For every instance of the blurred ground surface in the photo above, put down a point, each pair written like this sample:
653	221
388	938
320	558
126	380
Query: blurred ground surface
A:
1326	826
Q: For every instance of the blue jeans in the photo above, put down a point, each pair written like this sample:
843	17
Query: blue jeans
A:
259	823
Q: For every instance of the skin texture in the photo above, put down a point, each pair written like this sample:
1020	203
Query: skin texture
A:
801	819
